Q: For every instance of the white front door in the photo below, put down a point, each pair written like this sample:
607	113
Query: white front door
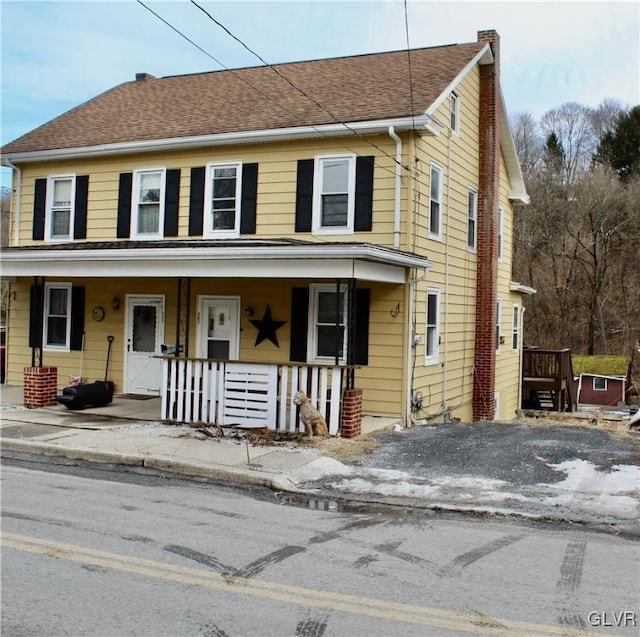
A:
218	327
144	335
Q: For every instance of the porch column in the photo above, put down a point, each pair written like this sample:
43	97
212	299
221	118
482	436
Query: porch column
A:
351	334
351	420
40	386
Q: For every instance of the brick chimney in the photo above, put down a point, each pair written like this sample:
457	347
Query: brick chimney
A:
143	77
487	244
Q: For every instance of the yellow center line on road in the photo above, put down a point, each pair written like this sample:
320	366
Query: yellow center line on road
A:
395	611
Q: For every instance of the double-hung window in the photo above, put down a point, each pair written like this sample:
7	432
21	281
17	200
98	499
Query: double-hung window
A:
57	315
223	199
455	113
432	341
472	217
147	220
327	320
60	208
515	328
435	202
334	194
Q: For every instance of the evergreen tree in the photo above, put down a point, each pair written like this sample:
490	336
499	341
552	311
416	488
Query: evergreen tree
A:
620	148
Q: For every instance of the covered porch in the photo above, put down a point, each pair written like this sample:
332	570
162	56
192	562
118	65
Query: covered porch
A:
171	290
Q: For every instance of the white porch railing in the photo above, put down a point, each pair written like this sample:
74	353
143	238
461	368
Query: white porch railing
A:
197	391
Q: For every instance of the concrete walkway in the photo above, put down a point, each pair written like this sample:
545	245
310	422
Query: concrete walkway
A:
540	471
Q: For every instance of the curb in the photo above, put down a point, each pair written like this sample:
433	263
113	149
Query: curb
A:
73	453
275	482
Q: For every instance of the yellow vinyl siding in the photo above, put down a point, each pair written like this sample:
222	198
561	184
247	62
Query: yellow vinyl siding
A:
276	195
381	379
385	380
507	361
457	155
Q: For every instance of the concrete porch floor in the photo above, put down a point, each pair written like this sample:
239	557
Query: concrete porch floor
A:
127	408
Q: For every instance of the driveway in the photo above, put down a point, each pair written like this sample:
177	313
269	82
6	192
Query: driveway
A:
577	473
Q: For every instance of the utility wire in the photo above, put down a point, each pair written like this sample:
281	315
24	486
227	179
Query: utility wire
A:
255	88
298	89
406	29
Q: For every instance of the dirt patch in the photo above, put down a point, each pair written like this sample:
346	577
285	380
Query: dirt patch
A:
618	428
342	449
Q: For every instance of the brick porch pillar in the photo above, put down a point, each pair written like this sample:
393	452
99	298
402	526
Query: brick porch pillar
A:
40	386
351	421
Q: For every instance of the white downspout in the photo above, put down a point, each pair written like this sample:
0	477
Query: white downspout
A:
411	345
445	379
16	198
521	362
410	353
396	207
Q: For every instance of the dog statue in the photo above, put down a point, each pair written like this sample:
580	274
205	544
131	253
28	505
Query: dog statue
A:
314	423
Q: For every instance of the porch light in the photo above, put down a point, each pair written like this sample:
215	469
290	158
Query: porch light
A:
115	303
248	311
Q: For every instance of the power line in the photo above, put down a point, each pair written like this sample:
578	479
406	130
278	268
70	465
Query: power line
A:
265	95
406	29
297	88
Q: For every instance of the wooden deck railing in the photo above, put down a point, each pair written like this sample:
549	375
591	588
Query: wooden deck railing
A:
199	391
548	372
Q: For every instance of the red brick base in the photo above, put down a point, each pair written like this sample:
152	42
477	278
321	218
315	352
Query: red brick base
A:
40	386
351	421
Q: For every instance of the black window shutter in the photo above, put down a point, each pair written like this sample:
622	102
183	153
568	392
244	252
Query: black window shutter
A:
77	317
249	199
196	202
35	316
361	332
81	203
299	324
123	230
304	195
364	194
39	207
171	202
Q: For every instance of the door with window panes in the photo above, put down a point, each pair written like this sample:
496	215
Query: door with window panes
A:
218	327
145	331
328	317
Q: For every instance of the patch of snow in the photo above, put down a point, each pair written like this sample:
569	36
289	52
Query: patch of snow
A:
399	489
469	482
156	430
589	487
319	469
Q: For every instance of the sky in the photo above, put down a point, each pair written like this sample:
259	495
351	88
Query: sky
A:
57	54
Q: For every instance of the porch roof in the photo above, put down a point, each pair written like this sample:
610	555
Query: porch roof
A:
247	258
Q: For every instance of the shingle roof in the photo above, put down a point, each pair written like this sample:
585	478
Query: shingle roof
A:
359	88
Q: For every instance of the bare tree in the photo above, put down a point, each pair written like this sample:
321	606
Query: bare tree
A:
572	124
578	243
528	140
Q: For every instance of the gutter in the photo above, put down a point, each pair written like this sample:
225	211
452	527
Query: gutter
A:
221	139
396	204
240	252
16	198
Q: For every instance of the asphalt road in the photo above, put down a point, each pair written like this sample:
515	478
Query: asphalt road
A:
110	553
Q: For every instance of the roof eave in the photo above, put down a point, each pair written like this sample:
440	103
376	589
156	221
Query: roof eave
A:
222	139
514	286
240	260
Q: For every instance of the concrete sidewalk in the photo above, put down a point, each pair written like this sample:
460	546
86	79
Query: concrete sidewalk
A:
128	432
544	471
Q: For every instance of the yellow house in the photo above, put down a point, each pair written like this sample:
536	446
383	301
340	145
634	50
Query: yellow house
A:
346	231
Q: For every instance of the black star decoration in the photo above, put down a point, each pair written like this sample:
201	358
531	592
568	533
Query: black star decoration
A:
267	328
